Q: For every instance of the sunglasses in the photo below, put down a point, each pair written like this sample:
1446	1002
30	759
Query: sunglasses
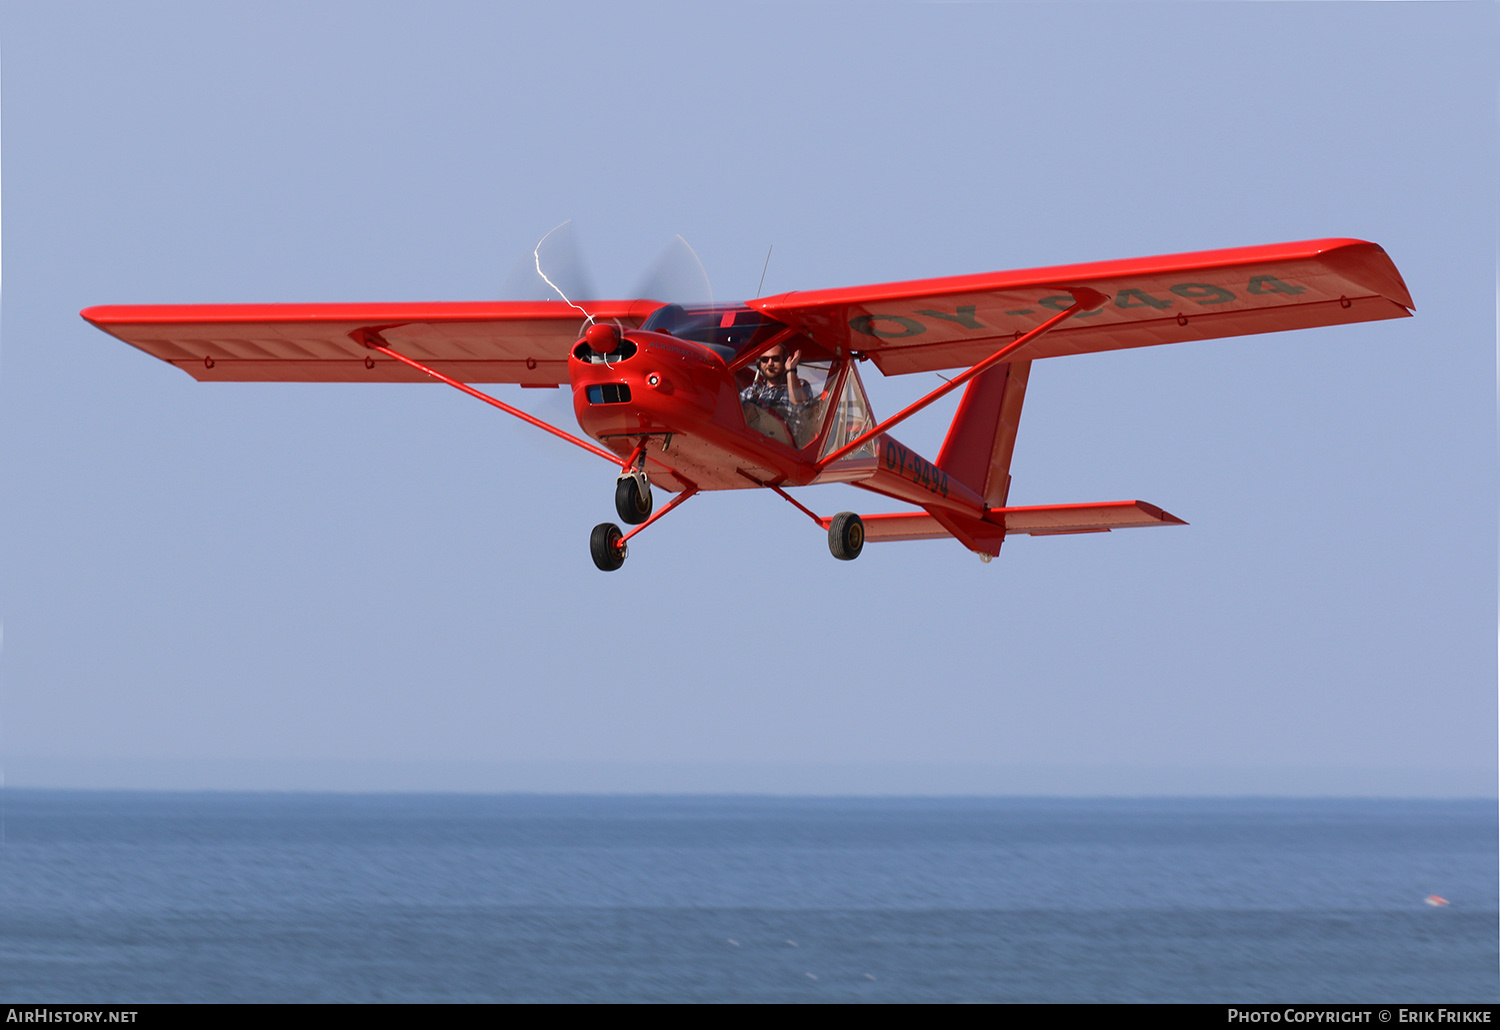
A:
774	357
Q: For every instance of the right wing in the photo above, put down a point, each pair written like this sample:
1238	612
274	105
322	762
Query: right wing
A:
930	324
501	341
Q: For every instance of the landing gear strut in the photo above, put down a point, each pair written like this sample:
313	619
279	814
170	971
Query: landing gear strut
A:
846	530
846	536
607	544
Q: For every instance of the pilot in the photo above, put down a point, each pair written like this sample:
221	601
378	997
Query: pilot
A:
777	386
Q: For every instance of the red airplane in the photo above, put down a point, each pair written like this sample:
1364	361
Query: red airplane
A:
768	393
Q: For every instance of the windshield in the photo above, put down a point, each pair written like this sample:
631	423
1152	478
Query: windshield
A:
725	329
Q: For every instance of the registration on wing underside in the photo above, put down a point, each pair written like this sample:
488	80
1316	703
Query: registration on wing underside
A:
939	323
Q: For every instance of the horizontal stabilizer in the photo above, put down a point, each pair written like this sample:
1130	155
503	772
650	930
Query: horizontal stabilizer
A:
1034	520
1053	519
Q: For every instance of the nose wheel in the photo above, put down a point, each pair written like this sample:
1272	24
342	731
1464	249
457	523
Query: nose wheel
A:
633	498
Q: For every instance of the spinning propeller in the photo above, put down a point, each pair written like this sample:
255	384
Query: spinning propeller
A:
555	270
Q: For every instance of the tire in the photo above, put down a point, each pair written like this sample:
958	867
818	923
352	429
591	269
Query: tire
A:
633	506
604	546
846	536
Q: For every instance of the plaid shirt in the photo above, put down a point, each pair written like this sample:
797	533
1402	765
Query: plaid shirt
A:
770	395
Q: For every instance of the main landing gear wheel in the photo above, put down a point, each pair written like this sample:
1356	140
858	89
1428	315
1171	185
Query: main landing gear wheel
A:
632	501
846	536
604	545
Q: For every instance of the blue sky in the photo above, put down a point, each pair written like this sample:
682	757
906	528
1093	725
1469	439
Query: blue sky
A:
389	586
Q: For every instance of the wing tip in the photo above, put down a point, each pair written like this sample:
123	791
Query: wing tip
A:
1370	266
1166	518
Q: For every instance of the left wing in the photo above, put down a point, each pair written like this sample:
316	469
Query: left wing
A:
930	324
524	342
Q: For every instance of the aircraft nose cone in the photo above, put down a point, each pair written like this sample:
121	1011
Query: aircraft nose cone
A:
602	338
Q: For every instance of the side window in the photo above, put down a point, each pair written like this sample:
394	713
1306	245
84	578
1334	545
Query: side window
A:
851	417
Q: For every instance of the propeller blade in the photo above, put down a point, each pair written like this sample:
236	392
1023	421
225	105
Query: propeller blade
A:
555	258
677	276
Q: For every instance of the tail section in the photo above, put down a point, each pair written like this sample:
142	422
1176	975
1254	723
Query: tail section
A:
980	441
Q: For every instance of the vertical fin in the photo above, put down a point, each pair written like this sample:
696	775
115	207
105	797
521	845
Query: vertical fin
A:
982	438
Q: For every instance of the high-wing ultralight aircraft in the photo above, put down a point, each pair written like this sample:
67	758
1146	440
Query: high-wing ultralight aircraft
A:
767	393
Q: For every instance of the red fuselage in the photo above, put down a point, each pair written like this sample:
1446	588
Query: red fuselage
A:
684	398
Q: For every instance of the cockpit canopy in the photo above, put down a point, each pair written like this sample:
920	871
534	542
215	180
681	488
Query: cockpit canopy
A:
726	329
789	402
818	399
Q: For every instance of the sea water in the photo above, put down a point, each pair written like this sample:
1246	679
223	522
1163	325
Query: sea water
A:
155	897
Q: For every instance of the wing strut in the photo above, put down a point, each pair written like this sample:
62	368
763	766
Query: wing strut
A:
372	339
1083	300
